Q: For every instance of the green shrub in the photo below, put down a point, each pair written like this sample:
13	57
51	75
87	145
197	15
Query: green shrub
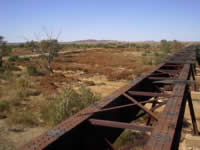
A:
9	67
12	68
13	58
2	69
121	46
138	46
31	70
69	103
144	54
145	46
156	54
4	106
147	51
24	59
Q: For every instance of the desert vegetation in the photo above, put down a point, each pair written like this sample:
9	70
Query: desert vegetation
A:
43	83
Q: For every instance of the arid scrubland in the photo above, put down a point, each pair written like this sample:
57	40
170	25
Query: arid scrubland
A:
33	97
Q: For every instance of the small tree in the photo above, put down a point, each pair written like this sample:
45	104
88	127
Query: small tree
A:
50	49
4	50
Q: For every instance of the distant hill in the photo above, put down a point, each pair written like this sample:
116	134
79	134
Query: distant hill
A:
92	41
89	41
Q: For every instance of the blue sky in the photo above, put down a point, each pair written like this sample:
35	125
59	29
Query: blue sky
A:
125	20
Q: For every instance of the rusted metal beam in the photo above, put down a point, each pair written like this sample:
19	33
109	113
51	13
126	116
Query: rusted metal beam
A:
121	125
194	123
186	82
181	62
161	78
173	65
153	109
149	119
109	144
193	76
151	94
118	107
141	106
170	72
170	121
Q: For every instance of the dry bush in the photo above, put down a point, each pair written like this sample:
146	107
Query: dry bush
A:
7	75
32	70
123	75
4	106
15	93
25	118
89	83
68	103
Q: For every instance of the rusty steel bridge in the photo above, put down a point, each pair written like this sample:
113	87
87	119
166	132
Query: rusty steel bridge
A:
98	126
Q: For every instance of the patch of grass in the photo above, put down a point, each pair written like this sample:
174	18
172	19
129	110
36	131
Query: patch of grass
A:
13	58
23	83
17	58
12	68
16	90
25	59
2	69
7	75
32	70
25	118
125	138
67	104
21	94
130	139
144	54
4	106
157	60
123	75
9	67
147	51
147	61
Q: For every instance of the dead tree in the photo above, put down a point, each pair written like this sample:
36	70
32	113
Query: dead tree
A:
49	49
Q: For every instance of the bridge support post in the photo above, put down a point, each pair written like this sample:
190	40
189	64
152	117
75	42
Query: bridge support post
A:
194	123
193	76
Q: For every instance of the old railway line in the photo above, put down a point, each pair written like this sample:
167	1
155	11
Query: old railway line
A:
99	125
